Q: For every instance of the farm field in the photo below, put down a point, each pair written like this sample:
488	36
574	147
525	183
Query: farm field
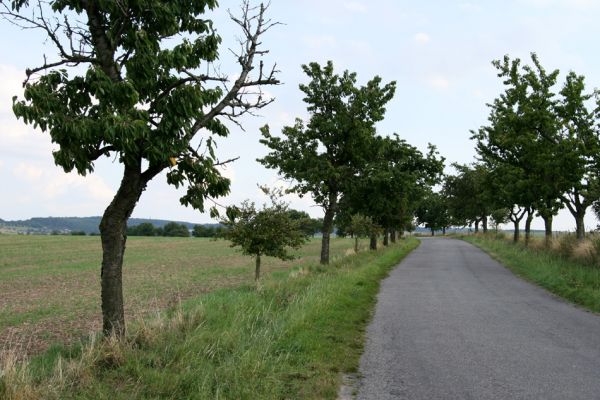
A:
50	285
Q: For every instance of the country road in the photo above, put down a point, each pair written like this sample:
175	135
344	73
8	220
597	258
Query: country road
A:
451	323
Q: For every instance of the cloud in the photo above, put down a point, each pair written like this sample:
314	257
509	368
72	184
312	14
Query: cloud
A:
422	38
355	6
53	183
439	82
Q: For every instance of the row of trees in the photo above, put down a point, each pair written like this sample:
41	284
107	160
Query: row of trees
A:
142	88
172	229
337	157
538	153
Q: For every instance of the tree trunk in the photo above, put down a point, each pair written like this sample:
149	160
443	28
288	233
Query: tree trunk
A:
484	223
476	226
113	233
356	244
393	236
257	268
373	244
516	233
327	227
386	241
443	230
432	232
548	228
528	226
580	226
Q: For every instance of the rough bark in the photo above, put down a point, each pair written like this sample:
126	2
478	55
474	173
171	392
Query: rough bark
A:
113	231
516	233
580	226
432	231
386	236
393	236
356	244
257	268
528	221
484	224
443	230
548	228
373	243
476	226
328	226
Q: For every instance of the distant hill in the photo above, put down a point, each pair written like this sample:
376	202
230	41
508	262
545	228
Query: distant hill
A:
70	224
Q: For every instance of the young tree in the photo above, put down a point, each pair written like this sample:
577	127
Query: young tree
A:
324	155
270	231
361	227
140	90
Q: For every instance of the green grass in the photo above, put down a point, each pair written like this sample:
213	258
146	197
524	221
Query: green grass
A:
289	339
50	285
575	282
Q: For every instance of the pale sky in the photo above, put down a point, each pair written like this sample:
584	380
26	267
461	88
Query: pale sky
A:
439	52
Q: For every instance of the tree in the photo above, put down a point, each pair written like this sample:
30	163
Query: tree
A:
310	226
433	212
361	227
579	138
140	90
524	135
469	195
270	231
143	229
323	156
394	179
173	229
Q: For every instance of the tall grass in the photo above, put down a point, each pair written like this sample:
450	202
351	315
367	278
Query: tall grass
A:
567	267
290	338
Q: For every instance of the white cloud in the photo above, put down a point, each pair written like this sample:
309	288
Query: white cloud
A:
355	6
422	38
439	82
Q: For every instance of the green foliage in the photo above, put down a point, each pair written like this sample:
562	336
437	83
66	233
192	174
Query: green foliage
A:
174	229
433	212
208	231
323	155
143	229
543	146
470	194
395	178
334	143
270	231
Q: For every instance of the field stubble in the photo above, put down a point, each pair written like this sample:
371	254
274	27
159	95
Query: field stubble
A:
50	285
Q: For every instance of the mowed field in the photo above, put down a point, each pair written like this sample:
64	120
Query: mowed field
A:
50	285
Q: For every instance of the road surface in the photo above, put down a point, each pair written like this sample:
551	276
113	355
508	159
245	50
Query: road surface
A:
451	323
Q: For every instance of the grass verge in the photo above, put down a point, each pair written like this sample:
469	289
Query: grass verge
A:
290	338
574	281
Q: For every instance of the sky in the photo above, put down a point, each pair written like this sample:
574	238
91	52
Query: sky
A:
438	52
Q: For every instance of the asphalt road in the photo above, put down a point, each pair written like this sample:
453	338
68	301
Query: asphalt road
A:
451	323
